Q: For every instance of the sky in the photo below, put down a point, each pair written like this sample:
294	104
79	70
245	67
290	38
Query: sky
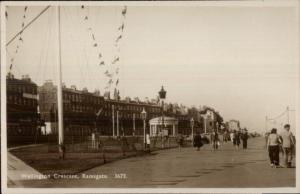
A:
243	61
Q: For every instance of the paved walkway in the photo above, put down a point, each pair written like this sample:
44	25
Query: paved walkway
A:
16	169
226	167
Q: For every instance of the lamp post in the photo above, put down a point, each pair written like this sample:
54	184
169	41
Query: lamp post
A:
144	116
192	126
162	95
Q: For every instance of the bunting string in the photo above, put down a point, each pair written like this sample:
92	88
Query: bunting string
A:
111	75
20	40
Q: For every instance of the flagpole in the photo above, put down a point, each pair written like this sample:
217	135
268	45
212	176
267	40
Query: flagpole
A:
59	93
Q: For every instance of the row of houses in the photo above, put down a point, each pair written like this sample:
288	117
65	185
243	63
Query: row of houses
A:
32	112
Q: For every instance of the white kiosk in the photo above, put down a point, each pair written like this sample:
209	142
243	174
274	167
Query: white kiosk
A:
170	126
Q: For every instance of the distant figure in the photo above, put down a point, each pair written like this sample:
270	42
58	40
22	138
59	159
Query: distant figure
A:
148	141
198	141
273	148
93	140
288	144
236	139
232	137
180	141
225	136
214	138
245	139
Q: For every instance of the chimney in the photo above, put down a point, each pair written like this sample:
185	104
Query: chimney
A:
73	87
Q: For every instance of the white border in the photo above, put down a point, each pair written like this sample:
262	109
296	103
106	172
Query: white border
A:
270	3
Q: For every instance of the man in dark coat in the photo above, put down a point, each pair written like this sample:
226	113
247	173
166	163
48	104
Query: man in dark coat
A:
198	141
245	139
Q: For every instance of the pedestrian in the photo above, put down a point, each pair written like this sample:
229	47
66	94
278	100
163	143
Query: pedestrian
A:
198	141
225	138
214	138
245	139
288	144
180	141
273	148
232	137
236	139
148	142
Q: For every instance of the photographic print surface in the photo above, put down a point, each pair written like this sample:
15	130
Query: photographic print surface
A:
150	96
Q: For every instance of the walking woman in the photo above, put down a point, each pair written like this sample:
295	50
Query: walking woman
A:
198	141
273	148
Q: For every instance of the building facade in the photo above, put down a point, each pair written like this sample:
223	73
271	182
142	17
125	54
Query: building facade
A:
23	122
85	112
233	125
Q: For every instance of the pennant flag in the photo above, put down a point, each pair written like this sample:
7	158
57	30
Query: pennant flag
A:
102	63
25	8
95	45
124	11
99	112
116	59
121	27
119	37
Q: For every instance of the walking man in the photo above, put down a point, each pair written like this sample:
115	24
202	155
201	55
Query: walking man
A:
214	138
245	139
288	144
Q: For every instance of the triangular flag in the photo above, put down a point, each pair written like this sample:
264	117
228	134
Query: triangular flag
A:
124	11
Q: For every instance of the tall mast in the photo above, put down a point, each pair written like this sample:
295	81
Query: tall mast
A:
59	91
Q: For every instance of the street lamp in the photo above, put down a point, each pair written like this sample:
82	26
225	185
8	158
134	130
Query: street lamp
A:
162	95
144	116
192	126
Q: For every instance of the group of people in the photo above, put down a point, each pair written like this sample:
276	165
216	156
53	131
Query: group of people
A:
236	137
284	142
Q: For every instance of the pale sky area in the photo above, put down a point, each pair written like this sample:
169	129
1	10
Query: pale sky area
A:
242	61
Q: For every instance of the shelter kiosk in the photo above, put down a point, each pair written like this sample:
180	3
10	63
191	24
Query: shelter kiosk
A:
170	126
